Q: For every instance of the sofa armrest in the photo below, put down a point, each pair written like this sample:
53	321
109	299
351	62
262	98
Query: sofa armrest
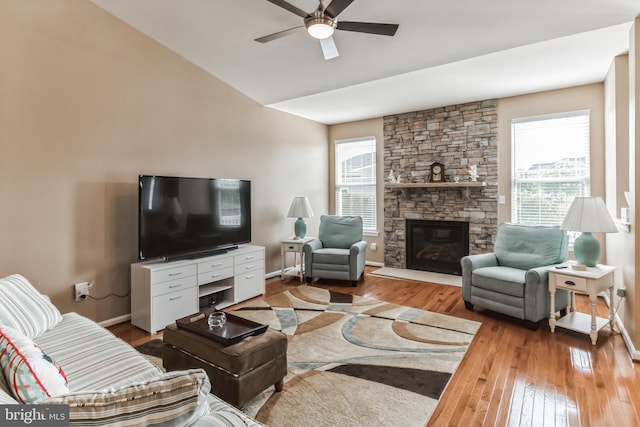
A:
473	262
357	259
312	245
537	275
308	249
536	294
358	247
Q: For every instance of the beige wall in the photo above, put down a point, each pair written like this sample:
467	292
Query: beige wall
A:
632	319
373	127
616	105
622	106
87	103
619	245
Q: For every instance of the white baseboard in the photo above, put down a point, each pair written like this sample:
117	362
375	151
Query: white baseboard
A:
115	320
633	352
272	274
374	264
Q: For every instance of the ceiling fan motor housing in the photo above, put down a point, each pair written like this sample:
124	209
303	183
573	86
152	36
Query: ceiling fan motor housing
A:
319	25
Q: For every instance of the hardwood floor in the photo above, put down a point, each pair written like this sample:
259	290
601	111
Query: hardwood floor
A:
511	375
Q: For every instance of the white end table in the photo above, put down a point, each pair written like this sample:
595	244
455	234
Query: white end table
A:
590	282
295	246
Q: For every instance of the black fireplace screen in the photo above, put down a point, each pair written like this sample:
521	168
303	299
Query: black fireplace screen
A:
437	245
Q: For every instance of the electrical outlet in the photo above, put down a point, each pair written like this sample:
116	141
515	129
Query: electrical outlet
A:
621	292
82	290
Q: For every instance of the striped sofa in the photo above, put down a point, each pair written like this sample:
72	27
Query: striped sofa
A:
107	381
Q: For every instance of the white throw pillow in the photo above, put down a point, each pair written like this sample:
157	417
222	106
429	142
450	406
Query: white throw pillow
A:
25	309
30	374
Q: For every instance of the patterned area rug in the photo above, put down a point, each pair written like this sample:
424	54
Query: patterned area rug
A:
355	361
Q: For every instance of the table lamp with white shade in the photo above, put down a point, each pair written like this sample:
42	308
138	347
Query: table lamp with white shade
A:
588	215
300	208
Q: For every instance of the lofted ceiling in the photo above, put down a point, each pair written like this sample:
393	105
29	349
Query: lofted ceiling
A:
445	52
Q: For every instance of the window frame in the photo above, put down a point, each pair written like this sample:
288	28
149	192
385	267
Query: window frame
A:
584	180
370	223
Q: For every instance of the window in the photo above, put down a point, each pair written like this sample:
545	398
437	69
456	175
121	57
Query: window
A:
356	179
550	166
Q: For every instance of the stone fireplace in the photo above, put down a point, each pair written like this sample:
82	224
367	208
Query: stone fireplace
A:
436	245
457	136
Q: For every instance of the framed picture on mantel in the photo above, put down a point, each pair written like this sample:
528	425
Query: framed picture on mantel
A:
437	172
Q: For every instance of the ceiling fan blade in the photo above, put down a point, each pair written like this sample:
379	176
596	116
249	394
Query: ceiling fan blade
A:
279	34
291	8
368	27
329	49
336	7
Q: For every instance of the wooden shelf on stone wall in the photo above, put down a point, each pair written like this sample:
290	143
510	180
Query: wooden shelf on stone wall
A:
465	186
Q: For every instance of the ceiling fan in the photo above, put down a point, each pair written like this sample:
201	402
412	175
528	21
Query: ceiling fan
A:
321	24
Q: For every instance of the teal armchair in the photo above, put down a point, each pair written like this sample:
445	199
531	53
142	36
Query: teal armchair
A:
338	252
513	280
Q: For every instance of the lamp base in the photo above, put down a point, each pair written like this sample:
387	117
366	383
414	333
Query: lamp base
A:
300	228
587	249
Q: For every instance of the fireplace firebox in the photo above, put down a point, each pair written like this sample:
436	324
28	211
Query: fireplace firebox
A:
436	245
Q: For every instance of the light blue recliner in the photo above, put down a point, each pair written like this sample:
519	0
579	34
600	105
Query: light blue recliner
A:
338	252
513	280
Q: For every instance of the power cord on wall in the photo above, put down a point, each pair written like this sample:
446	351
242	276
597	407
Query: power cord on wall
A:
109	295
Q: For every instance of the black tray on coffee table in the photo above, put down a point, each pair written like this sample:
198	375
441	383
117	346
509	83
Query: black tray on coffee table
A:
235	329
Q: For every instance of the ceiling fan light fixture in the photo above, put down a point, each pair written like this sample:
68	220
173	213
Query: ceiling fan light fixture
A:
320	28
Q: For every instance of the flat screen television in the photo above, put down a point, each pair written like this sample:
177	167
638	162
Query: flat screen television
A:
187	217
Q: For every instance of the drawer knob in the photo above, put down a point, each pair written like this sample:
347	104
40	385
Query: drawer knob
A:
570	283
174	299
174	274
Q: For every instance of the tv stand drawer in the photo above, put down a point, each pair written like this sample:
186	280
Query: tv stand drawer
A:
169	307
215	263
174	285
171	273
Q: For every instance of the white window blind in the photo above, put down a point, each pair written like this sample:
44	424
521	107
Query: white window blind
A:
356	179
550	166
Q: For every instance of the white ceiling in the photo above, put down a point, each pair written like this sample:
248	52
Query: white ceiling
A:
445	52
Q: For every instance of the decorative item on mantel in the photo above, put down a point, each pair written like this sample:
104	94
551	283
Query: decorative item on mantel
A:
437	172
394	179
473	173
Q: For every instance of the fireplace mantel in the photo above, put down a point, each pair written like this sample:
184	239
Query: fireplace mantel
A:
465	186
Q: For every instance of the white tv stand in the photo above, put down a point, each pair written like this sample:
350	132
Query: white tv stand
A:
162	292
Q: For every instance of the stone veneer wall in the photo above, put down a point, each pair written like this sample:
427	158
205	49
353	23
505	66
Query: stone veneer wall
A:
456	136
